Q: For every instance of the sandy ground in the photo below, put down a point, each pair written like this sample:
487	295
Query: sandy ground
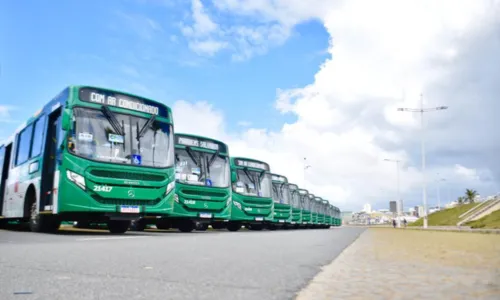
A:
387	263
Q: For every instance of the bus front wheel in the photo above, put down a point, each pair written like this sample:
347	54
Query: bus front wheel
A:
118	226
186	226
42	223
233	226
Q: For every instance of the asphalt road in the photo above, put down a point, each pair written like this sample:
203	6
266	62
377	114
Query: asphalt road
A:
165	265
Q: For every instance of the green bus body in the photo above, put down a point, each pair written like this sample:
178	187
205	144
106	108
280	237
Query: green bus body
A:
320	217
296	205
282	198
90	154
203	189
252	202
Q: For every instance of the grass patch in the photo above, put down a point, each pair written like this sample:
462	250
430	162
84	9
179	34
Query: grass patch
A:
447	217
491	221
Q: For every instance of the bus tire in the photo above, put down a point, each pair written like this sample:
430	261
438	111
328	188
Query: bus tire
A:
233	226
256	227
138	225
218	225
186	226
42	223
201	226
163	224
118	226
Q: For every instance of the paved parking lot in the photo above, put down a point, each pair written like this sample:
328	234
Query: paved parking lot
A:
165	265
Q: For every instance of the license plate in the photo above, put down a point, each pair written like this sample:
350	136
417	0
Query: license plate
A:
281	221
304	222
293	222
259	219
205	215
130	209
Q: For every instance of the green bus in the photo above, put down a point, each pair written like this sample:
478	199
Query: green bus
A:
282	198
330	215
305	204
314	211
89	155
203	190
336	216
296	205
325	213
320	217
252	202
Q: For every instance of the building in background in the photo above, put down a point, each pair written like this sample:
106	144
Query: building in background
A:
346	217
393	207
420	210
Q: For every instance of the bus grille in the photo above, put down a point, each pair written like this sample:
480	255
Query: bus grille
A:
127	201
127	175
204	193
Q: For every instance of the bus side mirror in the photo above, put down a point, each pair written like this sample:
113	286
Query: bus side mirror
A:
233	176
66	120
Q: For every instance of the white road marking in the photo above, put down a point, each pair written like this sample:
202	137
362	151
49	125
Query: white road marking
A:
111	238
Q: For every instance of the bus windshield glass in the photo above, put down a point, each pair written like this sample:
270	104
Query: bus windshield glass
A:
121	138
253	183
281	193
201	168
294	195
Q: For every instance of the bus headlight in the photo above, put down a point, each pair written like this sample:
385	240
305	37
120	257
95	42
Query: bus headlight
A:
176	198
237	204
170	187
76	179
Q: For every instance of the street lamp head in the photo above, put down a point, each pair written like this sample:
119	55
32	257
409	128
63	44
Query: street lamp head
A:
401	109
442	107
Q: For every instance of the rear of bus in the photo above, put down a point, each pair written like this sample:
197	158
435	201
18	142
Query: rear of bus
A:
203	190
252	203
107	158
282	198
296	205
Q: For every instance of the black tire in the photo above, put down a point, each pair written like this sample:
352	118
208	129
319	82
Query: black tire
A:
138	225
186	226
42	223
201	226
218	225
233	226
118	226
163	224
271	227
256	227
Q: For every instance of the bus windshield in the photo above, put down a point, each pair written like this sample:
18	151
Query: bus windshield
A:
253	183
294	195
281	193
201	168
122	138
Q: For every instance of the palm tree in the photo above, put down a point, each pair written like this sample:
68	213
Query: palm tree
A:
460	200
470	195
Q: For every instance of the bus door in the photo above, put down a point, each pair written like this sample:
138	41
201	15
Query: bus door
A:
52	142
4	172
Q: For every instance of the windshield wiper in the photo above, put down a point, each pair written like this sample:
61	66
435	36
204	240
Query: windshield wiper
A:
142	132
196	162
112	120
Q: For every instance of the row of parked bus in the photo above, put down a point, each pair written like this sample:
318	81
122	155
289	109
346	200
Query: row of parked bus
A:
94	155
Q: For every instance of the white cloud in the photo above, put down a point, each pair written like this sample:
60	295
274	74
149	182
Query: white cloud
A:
244	123
383	55
5	114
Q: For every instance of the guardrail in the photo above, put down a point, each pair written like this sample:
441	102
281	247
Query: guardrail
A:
477	214
473	209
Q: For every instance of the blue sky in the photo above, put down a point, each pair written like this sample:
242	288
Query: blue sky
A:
137	47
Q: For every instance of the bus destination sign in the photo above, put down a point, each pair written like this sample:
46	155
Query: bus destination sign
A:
122	101
251	164
189	141
278	178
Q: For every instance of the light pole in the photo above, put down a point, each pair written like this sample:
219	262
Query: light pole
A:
422	110
399	203
306	166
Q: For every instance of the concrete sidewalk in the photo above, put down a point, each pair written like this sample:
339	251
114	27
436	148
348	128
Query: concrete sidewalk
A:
412	264
439	228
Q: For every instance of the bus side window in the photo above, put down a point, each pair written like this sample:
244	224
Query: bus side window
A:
23	145
38	136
